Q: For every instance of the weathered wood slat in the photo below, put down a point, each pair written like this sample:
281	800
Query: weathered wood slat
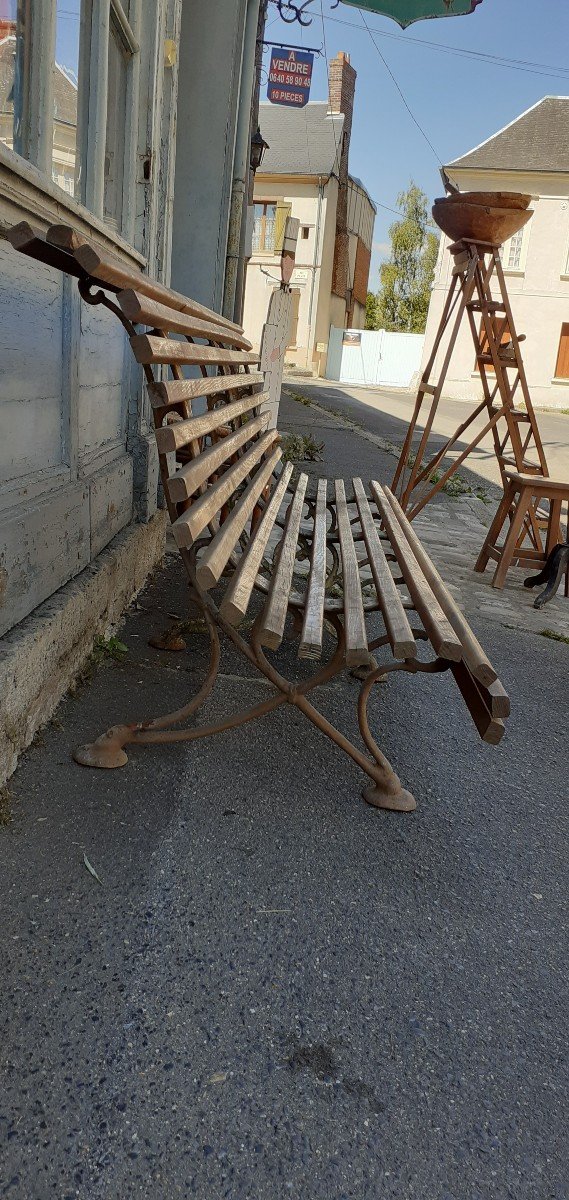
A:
190	524
177	391
103	266
311	638
397	625
141	310
148	349
357	652
236	600
490	728
215	556
188	479
274	616
443	639
181	433
473	654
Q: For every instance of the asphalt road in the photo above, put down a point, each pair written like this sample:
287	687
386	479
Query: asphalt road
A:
387	413
276	990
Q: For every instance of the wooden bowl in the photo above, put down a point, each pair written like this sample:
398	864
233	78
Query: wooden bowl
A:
477	222
488	199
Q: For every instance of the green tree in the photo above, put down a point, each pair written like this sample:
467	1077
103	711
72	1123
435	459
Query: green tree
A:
372	319
406	278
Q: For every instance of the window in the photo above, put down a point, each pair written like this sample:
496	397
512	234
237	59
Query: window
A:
64	165
293	336
514	251
264	228
69	105
15	29
305	231
121	49
512	255
562	366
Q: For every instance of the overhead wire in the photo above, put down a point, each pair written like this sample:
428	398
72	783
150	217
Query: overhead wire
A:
498	60
401	93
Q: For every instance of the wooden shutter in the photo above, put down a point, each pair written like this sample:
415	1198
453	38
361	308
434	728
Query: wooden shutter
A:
282	213
562	367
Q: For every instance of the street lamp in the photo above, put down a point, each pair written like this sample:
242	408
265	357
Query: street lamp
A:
258	147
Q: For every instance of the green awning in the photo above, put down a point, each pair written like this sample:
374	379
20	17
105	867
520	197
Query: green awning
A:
407	11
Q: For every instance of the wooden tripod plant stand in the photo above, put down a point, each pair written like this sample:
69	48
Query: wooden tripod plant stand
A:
479	295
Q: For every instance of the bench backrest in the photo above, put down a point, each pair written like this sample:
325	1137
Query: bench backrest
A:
219	460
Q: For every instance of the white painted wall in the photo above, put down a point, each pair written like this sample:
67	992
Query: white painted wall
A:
539	290
313	267
379	359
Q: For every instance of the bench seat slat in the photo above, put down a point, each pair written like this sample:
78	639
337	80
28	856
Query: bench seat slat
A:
490	728
441	634
181	433
311	638
473	653
103	266
236	600
274	616
189	478
399	631
142	311
148	349
177	391
357	652
191	523
215	556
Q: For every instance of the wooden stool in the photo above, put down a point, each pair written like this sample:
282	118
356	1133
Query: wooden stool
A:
520	505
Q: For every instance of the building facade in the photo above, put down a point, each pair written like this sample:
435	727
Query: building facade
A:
531	155
96	132
305	174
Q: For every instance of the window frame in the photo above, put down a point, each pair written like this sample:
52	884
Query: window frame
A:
35	147
262	249
506	248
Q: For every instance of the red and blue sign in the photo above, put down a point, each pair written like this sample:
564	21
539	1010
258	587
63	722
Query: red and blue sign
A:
290	75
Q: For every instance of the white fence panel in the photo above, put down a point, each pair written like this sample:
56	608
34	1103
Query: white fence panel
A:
373	358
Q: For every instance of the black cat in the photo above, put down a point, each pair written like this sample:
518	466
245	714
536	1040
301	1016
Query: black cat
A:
557	563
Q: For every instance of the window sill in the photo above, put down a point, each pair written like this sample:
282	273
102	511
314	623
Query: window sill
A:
513	271
564	276
36	195
560	382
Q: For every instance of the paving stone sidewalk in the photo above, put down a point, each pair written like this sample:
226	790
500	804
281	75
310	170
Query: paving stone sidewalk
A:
452	528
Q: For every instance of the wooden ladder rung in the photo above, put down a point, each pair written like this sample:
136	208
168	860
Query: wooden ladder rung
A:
513	413
489	306
531	467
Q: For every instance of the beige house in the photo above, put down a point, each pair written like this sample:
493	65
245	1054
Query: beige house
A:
530	155
305	174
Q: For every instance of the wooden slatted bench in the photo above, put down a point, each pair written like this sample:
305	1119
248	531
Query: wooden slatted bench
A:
247	526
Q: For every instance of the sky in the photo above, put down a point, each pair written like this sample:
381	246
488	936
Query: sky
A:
459	101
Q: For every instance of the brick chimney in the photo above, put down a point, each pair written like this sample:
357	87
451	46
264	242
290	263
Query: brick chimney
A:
342	86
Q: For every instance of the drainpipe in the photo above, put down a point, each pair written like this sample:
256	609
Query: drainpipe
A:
240	161
316	264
